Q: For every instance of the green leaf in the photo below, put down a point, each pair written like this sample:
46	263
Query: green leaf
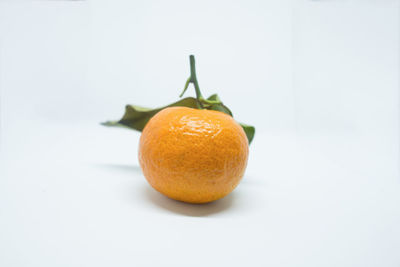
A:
221	107
214	103
249	130
136	117
214	97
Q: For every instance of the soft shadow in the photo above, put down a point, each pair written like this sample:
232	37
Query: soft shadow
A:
194	210
250	181
121	167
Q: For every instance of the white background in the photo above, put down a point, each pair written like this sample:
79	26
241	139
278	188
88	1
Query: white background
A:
318	79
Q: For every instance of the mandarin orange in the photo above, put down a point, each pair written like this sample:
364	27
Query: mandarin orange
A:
193	155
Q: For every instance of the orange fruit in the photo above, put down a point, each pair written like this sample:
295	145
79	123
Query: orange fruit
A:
193	155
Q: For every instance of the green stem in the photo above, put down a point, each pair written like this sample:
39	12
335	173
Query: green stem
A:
193	78
186	87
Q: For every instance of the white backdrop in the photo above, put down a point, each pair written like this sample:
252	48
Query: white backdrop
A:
318	79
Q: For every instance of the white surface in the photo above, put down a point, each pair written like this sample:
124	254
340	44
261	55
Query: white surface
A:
73	195
322	186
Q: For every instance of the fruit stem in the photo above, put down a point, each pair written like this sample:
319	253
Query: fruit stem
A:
193	79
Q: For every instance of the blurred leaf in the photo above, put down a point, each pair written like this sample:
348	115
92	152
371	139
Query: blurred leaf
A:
221	107
214	103
214	97
136	117
249	130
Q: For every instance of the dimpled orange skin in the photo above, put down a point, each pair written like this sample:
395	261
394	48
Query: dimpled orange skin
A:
193	155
